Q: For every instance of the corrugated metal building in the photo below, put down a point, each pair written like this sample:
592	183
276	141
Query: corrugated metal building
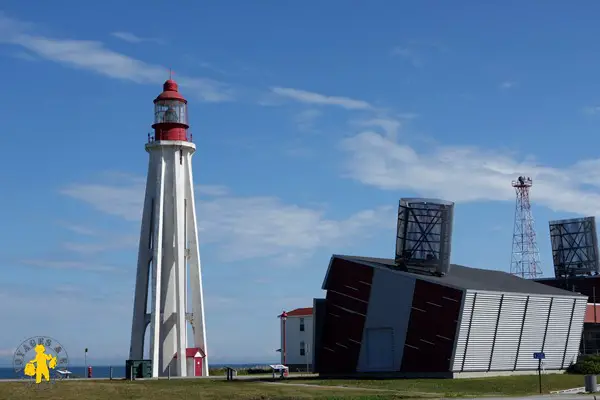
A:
378	319
588	286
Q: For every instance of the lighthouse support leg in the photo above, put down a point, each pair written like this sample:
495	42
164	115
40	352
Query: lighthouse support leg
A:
198	321
180	263
140	301
156	319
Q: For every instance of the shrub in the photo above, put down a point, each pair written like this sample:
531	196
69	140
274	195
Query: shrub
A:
258	370
587	365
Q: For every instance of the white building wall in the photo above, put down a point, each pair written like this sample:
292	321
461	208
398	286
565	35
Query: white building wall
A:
483	328
500	332
575	332
508	331
463	332
294	338
390	292
557	333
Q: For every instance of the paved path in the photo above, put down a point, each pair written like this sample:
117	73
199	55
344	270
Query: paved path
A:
546	397
569	396
330	387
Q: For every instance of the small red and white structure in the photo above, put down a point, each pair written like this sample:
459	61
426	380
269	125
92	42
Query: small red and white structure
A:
194	360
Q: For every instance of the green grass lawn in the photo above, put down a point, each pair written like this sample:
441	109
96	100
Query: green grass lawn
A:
203	389
507	386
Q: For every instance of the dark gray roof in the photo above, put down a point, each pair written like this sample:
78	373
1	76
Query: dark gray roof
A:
463	277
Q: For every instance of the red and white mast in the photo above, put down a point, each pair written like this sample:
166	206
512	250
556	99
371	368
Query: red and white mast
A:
525	259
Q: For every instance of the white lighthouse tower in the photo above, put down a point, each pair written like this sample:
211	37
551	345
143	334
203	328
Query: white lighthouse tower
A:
169	256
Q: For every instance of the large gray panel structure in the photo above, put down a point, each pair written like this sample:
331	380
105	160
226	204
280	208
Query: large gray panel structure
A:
470	322
394	291
424	236
574	247
524	324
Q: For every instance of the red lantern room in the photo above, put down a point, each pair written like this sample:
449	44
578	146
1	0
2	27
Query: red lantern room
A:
170	114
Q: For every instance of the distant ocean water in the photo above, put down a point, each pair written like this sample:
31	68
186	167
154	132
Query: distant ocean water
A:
104	371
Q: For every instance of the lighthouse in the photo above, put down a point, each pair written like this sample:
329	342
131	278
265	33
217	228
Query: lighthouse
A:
168	266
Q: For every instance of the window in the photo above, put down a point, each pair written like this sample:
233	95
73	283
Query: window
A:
302	348
302	325
170	111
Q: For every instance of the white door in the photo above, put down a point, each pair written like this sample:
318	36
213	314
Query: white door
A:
380	349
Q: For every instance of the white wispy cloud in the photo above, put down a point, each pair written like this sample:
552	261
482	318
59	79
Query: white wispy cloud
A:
592	110
306	119
414	51
468	173
390	126
78	229
408	54
304	96
245	227
508	84
8	352
69	265
96	57
132	38
212	190
47	303
107	243
25	56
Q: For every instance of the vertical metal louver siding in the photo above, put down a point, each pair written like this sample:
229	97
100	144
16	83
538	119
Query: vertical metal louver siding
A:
494	328
481	335
534	328
575	333
463	332
557	332
508	333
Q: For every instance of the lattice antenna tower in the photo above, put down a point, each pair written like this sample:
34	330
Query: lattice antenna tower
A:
525	260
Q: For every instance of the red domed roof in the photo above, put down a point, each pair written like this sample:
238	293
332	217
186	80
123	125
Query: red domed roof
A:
170	92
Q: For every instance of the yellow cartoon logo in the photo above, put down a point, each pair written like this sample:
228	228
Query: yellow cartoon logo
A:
42	358
40	366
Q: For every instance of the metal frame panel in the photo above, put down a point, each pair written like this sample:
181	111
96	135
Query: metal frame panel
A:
424	235
496	331
569	333
389	291
348	294
500	332
459	324
575	331
532	338
508	334
430	336
464	326
547	324
483	328
557	333
574	246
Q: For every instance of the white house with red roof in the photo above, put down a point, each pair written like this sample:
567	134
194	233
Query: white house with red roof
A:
296	328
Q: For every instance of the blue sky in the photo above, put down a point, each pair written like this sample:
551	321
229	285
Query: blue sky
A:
311	120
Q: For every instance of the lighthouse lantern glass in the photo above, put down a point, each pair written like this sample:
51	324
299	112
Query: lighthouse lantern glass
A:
170	111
